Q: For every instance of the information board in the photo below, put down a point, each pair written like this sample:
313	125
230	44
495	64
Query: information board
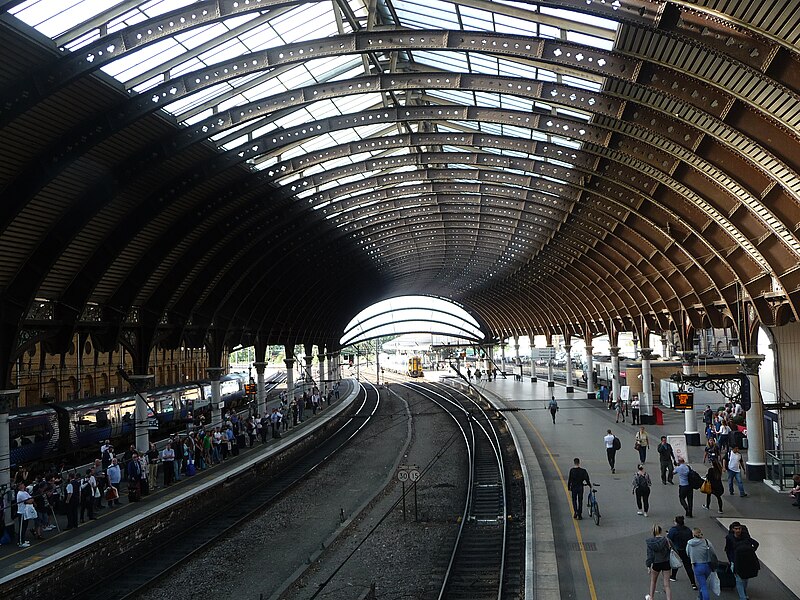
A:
683	400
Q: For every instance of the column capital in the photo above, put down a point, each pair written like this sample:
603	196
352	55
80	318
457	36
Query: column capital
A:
321	357
289	362
214	373
260	366
647	353
589	348
749	363
142	382
8	398
614	351
687	356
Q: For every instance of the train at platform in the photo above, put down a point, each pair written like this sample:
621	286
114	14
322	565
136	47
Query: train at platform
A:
61	430
404	364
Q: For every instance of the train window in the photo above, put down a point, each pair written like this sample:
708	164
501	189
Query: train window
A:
29	431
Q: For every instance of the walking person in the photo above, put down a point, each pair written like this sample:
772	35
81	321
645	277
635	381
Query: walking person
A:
685	491
641	443
740	549
552	405
679	535
701	553
714	479
620	411
658	561
578	476
641	489
735	471
612	445
666	461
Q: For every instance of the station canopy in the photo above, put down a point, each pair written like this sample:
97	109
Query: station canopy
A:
271	167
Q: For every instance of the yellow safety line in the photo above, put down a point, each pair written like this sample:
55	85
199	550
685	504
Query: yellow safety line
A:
589	580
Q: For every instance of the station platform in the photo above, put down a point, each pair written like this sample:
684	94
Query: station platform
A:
583	561
60	545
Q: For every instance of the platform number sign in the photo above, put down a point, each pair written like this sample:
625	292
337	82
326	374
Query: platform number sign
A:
683	400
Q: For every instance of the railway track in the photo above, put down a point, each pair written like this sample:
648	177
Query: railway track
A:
146	567
477	567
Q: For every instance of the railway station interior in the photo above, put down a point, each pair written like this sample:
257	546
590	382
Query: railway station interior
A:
612	185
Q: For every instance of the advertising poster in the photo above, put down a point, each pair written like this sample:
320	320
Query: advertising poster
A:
678	443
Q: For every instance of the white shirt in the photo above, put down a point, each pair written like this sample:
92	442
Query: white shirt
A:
22	496
735	462
609	439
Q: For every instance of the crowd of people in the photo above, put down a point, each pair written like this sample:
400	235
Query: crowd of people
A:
35	500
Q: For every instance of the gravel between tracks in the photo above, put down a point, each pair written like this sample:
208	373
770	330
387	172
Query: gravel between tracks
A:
287	540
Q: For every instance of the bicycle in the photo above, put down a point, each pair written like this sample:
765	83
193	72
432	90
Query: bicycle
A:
594	508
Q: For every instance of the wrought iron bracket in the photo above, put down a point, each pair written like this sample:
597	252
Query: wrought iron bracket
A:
729	385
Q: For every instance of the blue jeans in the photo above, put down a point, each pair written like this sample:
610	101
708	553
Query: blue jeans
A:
741	586
737	475
701	573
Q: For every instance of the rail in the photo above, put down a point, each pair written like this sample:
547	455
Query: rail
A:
476	566
782	466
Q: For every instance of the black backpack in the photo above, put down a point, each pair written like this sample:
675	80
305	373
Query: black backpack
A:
616	444
695	479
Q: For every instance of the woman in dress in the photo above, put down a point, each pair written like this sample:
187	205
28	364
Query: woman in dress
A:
658	561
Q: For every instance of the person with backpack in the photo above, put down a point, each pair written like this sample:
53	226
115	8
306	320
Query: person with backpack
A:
88	486
641	489
741	551
612	445
666	461
552	405
657	562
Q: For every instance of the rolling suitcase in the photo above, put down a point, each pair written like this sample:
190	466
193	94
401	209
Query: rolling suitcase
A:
726	577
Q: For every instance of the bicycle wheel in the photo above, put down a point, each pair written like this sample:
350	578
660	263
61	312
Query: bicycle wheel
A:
596	514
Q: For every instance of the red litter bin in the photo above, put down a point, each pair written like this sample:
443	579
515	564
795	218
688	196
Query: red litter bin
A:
659	415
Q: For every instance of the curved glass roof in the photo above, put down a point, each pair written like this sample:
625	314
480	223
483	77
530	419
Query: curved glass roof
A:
287	120
412	314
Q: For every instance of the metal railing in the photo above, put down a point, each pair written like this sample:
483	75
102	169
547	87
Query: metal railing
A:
781	467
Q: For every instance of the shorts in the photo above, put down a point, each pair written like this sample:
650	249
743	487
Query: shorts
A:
661	566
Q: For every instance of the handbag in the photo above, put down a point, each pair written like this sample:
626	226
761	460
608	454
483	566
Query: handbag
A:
706	487
713	560
712	581
636	446
675	560
112	493
30	512
96	493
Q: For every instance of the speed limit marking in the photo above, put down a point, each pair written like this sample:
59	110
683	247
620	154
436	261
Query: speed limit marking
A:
413	475
402	475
